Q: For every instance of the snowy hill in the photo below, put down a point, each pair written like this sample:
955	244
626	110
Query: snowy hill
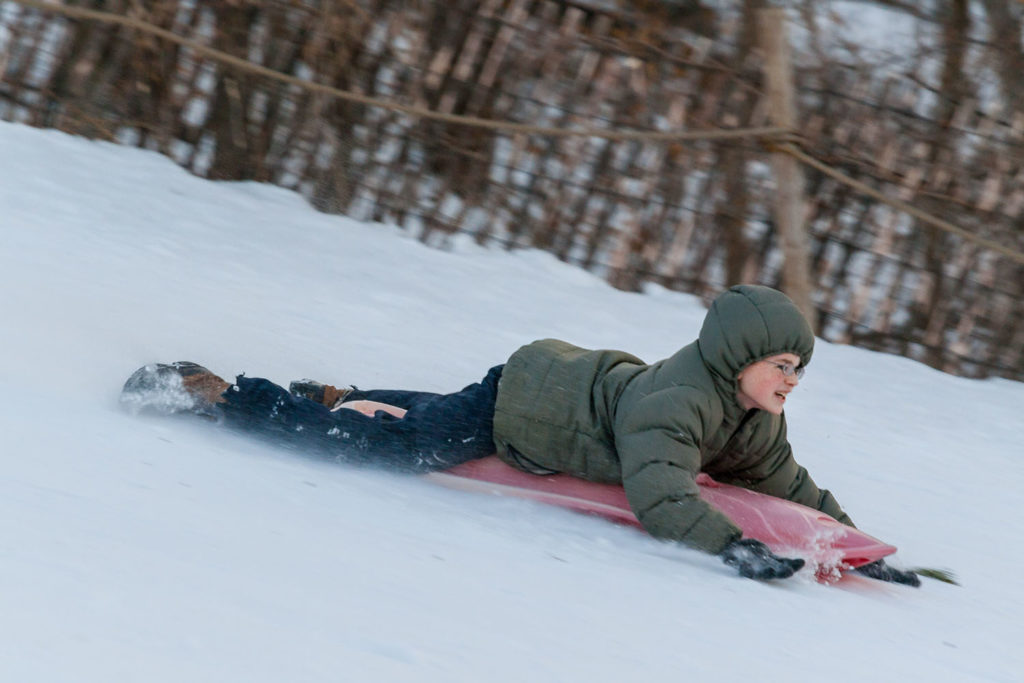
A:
136	548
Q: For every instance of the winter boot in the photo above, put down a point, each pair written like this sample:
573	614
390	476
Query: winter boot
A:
328	395
180	387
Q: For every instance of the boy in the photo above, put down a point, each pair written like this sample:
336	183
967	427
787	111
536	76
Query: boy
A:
715	406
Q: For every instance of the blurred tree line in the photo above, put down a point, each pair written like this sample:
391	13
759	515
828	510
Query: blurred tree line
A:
927	114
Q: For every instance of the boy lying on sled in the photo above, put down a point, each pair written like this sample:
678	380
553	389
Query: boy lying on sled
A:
715	406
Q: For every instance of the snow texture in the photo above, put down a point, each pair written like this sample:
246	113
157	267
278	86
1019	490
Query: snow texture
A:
168	549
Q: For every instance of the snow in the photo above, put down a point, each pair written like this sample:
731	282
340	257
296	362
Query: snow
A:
135	548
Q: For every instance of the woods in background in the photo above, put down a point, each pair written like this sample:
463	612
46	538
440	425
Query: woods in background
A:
935	121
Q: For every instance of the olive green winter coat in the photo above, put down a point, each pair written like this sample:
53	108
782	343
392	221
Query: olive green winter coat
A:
607	416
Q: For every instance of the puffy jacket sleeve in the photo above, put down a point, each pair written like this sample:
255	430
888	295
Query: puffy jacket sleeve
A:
658	442
773	470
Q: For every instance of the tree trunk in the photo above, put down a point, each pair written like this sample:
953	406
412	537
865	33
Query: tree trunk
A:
789	203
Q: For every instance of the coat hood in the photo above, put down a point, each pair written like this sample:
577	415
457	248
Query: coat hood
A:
749	323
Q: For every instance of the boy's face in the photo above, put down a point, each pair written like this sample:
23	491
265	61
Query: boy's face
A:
764	384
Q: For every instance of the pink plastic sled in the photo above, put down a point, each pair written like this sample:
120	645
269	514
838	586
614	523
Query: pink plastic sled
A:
787	528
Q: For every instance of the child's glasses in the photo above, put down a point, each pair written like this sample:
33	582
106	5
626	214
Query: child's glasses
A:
788	370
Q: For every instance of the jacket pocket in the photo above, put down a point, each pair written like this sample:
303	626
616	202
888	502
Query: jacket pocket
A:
520	461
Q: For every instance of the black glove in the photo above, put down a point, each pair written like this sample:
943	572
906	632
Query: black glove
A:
883	572
754	560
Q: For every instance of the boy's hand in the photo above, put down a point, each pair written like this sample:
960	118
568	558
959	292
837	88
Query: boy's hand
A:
754	560
883	572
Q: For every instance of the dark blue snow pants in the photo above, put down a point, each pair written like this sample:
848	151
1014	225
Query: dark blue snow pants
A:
437	432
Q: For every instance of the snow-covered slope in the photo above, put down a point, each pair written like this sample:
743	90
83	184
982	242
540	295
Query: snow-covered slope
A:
137	548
